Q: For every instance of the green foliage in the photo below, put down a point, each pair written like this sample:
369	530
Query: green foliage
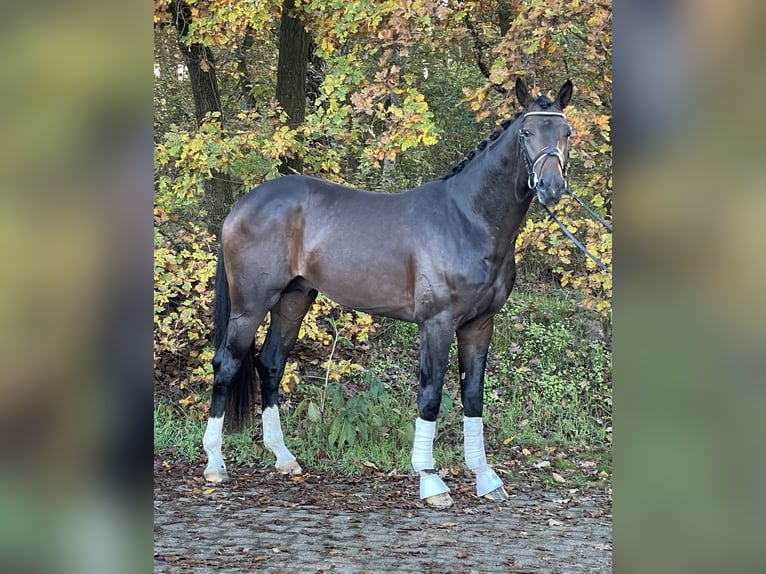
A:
181	433
551	364
346	419
247	149
184	266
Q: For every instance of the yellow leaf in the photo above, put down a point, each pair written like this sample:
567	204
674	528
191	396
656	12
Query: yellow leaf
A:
509	440
208	491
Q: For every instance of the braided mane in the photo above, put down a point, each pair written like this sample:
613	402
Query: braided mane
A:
543	101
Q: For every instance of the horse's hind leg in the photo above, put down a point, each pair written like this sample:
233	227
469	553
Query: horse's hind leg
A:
226	365
286	317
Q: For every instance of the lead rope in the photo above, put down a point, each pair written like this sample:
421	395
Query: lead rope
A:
589	210
577	241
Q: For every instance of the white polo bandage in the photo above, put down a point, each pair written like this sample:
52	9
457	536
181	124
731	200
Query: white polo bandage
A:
473	442
423	459
475	457
273	437
213	440
423	444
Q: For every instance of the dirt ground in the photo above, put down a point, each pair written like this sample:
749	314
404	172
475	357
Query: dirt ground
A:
265	522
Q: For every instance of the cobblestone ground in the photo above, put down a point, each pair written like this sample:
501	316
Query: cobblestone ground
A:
263	522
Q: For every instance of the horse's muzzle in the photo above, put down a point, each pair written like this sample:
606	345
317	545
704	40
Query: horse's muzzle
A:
549	195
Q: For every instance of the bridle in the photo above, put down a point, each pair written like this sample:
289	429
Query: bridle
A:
532	166
534	180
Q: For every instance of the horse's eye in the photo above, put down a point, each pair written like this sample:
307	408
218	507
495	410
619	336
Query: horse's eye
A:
569	133
526	133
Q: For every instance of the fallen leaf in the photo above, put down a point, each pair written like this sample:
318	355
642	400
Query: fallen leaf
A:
558	478
208	491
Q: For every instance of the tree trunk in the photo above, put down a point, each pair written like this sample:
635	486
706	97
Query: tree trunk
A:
505	15
316	75
245	84
388	173
292	68
199	59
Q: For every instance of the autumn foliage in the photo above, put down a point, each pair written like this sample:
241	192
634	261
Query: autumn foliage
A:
407	87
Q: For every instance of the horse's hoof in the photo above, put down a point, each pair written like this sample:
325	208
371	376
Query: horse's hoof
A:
440	501
291	467
216	475
497	495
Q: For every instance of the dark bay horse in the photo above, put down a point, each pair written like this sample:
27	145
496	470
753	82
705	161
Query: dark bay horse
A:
440	255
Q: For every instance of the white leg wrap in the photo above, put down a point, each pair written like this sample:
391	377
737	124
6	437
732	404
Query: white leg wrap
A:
212	441
274	439
423	459
475	457
422	445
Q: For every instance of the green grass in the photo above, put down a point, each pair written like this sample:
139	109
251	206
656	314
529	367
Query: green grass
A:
549	373
172	431
548	382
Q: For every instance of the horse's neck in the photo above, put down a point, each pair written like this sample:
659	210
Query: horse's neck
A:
498	194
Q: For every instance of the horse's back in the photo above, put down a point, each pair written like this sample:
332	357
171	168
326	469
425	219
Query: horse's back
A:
331	209
358	247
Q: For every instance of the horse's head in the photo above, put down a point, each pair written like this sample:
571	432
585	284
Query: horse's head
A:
544	142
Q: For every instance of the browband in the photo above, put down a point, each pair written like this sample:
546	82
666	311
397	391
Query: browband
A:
545	114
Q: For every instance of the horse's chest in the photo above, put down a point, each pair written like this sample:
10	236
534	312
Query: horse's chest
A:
489	290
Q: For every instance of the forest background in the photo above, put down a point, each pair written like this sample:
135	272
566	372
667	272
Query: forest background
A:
382	96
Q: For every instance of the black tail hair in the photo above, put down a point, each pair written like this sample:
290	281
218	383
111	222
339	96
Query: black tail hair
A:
241	398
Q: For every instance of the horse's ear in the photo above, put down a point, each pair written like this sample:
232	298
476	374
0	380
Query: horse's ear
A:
565	94
522	94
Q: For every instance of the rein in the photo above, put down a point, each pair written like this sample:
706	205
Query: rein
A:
573	238
589	210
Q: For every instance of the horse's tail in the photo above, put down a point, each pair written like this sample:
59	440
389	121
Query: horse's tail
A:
239	405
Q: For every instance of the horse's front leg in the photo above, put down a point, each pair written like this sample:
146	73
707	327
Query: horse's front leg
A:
473	343
435	339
